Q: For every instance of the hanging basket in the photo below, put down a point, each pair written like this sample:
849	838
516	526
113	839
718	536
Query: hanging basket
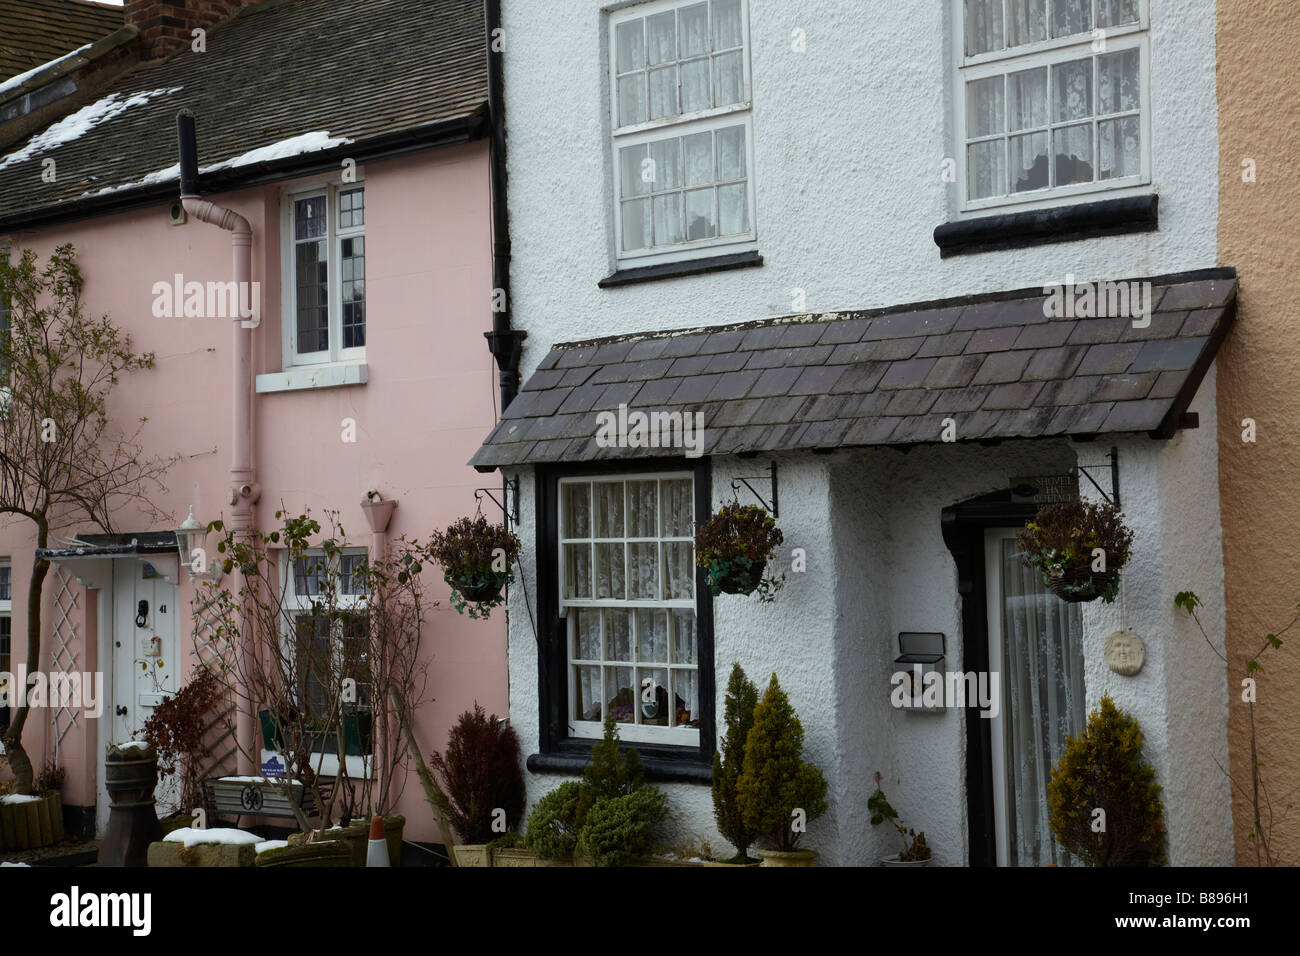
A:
1081	585
479	588
738	576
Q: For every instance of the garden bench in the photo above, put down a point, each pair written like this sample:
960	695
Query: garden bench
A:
259	797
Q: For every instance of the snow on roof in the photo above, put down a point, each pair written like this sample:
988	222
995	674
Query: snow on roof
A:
16	81
220	835
77	124
293	146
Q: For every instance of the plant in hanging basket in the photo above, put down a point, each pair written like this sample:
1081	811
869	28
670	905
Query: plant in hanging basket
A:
734	546
1079	548
476	557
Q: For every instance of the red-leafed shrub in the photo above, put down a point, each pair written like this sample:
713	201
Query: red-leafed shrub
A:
176	729
481	774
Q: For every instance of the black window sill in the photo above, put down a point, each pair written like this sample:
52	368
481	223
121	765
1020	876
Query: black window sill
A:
1017	230
663	769
675	270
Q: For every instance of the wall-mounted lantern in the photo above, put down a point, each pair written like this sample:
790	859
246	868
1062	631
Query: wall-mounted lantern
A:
919	653
194	558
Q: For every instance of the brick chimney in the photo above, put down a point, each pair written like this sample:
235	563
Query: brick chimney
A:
165	25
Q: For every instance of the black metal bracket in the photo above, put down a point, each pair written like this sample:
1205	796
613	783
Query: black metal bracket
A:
1113	457
769	477
510	491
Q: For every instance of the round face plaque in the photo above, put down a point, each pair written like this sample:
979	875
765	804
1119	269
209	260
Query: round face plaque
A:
1124	652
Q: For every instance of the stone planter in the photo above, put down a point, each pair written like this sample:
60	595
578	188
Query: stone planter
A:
177	821
202	855
31	823
329	853
357	837
787	858
520	856
476	854
895	861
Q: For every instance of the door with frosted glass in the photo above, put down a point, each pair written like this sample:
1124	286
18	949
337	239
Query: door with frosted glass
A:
1035	645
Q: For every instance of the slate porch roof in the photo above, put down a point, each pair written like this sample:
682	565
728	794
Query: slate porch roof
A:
997	365
363	71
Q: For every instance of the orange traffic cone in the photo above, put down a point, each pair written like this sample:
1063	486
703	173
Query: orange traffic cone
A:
377	851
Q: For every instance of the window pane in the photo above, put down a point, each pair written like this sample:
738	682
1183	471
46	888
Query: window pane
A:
733	210
609	509
577	511
985	173
668	219
693	30
353	576
983	26
652	636
700	214
309	218
610	572
620	694
308	576
636	225
662	38
1027	99
686	695
6	582
577	571
352	212
618	635
727	31
312	268
663	92
629	39
1072	90
1073	148
587	693
634	171
1121	148
643	509
1070	17
643	572
653	703
731	153
1029	162
728	79
679	570
684	642
1028	21
984	107
1117	82
586	634
676	500
352	259
1114	13
667	168
698	153
631	99
695	85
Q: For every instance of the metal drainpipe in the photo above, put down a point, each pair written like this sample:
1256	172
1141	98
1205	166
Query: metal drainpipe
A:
244	490
505	344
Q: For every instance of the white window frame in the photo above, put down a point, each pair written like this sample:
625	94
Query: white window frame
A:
588	729
335	354
671	127
1048	53
295	603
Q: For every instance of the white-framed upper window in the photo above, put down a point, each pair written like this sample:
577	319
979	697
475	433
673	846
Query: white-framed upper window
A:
1052	99
324	274
682	132
627	595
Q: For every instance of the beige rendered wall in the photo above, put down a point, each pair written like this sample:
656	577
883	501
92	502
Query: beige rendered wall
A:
1259	378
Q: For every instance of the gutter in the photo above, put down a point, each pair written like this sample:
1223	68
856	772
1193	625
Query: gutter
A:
505	344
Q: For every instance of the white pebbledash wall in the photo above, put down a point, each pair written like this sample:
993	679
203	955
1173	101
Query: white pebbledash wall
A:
849	137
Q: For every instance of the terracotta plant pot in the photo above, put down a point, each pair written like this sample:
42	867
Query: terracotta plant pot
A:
895	861
788	858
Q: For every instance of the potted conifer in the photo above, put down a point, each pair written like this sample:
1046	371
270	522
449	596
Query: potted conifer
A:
778	791
734	546
729	761
476	559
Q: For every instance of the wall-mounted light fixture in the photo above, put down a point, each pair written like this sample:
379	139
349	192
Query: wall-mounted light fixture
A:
190	537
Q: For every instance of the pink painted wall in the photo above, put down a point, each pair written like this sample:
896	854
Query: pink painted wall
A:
428	403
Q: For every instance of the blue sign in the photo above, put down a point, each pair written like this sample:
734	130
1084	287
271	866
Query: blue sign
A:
273	767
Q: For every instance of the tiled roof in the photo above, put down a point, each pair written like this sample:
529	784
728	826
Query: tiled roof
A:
998	366
358	70
33	32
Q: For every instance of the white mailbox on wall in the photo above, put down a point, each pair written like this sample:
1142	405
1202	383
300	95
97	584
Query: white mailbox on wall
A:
919	653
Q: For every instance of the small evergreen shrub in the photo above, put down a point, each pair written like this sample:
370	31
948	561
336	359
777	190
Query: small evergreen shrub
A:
618	829
481	773
1103	768
729	761
734	546
776	780
553	824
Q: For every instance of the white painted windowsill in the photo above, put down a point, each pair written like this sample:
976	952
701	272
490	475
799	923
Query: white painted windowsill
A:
332	375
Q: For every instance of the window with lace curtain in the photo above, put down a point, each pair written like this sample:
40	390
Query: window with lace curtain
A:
681	129
627	601
1052	99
